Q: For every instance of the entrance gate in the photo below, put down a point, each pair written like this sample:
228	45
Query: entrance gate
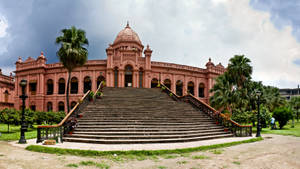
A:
128	76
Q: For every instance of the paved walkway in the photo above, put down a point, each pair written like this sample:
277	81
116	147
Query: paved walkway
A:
108	147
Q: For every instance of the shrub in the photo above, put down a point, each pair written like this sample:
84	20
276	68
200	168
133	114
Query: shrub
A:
29	117
282	115
41	117
9	116
91	95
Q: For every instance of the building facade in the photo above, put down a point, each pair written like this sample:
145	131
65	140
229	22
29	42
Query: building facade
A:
289	93
7	91
128	64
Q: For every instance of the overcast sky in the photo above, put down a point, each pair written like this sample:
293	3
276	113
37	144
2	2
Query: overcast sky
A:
184	32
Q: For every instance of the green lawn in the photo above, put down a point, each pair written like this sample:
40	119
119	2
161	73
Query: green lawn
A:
287	130
14	133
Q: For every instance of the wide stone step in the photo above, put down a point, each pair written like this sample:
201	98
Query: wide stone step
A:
117	132
141	126
143	141
145	124
165	129
117	120
123	137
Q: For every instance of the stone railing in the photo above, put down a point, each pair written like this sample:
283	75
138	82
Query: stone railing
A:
235	128
177	66
67	125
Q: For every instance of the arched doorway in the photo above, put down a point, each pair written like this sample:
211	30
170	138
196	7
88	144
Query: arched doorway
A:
6	96
99	80
191	87
141	72
87	84
128	76
116	72
201	90
61	86
73	104
179	86
167	83
49	87
154	83
49	106
61	106
74	85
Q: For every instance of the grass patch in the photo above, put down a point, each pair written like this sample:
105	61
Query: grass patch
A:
72	165
237	162
92	163
217	151
14	133
181	162
87	163
102	166
169	156
161	167
133	153
286	130
201	157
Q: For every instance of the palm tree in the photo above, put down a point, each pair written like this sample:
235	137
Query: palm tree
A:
295	105
223	93
240	70
271	98
72	52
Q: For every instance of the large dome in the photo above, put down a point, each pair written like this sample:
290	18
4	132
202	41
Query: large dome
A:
127	35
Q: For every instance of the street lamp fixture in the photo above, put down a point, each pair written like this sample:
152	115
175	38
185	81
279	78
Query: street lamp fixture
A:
258	94
23	84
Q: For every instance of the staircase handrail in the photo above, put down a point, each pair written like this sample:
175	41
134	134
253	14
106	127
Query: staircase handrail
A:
168	91
236	129
45	132
100	87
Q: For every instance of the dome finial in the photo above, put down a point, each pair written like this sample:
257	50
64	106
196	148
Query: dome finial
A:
127	25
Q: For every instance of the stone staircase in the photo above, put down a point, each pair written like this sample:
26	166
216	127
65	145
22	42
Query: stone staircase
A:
139	115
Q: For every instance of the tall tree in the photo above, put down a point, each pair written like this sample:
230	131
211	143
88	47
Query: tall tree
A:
72	52
240	70
223	93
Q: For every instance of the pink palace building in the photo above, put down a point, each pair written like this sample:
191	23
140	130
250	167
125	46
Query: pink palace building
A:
125	66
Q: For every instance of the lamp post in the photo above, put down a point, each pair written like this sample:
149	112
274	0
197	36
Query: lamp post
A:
23	84
258	94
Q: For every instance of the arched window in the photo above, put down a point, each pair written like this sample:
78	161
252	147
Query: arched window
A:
32	106
87	84
179	86
32	87
167	82
49	106
61	86
61	106
201	90
6	96
73	104
128	76
49	87
141	72
191	87
99	80
154	83
116	72
74	85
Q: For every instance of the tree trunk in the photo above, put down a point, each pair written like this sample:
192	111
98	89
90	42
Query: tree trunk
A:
67	94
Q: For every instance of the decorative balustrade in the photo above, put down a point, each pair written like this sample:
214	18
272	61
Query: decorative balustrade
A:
67	125
237	129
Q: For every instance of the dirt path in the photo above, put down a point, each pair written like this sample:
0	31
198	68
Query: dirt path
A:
274	152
